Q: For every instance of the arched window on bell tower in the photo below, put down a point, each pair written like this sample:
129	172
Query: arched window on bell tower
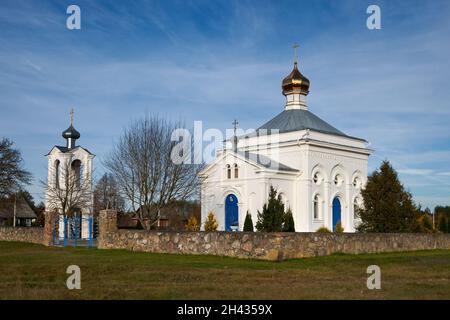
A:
76	169
236	171
57	172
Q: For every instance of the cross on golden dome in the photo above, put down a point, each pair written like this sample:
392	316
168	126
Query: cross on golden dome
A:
295	46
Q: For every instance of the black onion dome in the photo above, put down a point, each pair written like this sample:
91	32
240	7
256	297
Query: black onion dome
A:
71	133
295	81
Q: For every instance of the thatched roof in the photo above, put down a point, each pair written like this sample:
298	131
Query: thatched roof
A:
23	210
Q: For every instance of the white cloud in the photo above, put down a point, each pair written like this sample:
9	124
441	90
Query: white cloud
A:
420	172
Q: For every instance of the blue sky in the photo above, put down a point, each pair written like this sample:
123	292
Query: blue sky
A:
219	60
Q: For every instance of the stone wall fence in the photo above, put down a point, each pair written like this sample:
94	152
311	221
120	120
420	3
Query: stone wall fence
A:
22	234
37	235
255	245
258	245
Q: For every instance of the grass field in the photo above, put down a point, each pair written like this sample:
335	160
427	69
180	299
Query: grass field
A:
35	272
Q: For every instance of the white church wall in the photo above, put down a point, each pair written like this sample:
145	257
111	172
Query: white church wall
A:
345	165
298	190
251	188
217	186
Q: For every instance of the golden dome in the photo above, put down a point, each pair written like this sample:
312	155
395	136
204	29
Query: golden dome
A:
295	82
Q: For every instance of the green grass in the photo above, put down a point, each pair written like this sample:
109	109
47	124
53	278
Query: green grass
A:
30	271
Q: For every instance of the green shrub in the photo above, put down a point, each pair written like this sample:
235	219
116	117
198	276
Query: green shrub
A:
248	223
323	230
211	222
272	216
192	224
288	225
339	227
424	224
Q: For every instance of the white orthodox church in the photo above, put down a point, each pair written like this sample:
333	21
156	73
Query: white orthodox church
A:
318	169
70	170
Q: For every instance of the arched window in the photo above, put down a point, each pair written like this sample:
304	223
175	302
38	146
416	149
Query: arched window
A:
228	171
317	175
357	182
338	180
316	207
76	172
316	178
236	171
57	168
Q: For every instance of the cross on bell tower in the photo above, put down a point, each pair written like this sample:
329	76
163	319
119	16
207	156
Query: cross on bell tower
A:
71	117
235	138
71	134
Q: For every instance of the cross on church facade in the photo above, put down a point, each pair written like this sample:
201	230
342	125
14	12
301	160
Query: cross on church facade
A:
235	124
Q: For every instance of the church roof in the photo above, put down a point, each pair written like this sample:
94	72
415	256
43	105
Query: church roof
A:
71	133
295	81
267	162
66	149
300	119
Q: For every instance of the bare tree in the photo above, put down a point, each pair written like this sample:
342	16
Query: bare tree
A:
107	195
12	174
68	189
147	177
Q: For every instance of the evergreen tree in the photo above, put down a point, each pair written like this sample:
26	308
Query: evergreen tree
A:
272	216
211	222
442	215
248	223
424	221
339	227
192	224
443	224
288	225
387	206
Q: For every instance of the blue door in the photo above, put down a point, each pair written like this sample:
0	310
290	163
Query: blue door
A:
336	212
231	213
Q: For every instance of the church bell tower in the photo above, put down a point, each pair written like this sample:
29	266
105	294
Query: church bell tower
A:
69	182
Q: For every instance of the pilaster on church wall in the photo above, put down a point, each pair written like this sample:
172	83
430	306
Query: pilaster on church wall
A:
348	208
304	191
326	209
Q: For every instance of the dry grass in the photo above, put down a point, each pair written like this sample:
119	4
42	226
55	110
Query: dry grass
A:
35	272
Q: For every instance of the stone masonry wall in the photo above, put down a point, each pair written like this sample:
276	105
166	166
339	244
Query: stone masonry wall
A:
22	234
270	246
256	245
265	246
33	235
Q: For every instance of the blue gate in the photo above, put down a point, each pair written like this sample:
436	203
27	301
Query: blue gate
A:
336	212
75	231
231	213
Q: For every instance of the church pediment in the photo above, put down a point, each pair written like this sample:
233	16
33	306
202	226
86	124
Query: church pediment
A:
256	161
